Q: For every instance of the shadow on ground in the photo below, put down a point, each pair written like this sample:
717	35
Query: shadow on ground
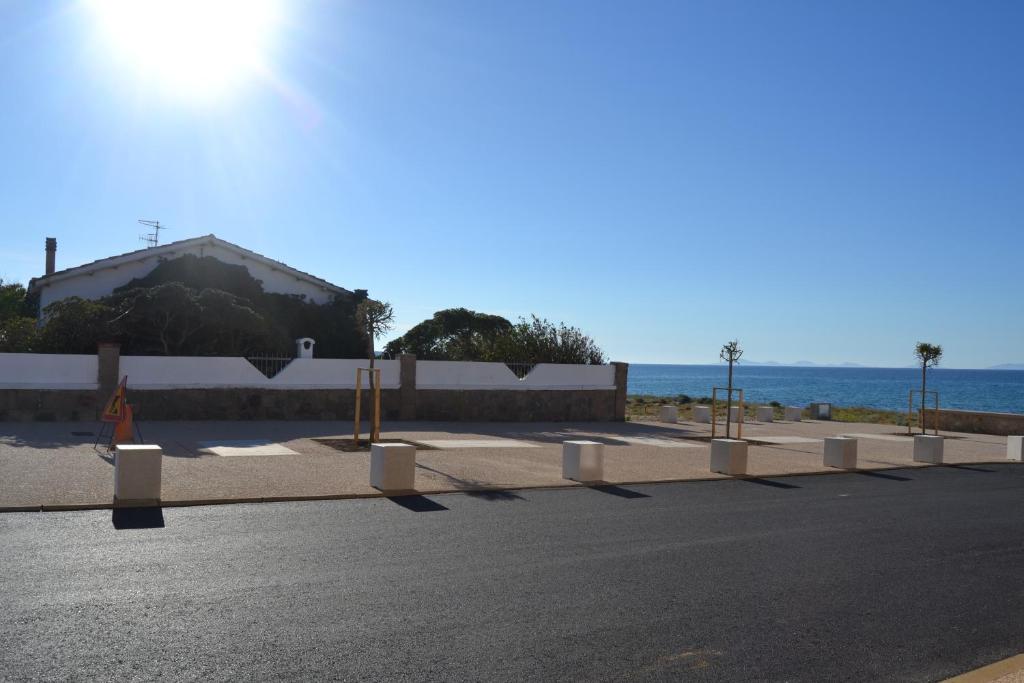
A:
881	475
417	503
614	490
768	482
473	487
138	518
970	468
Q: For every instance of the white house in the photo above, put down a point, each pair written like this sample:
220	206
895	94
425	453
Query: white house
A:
100	278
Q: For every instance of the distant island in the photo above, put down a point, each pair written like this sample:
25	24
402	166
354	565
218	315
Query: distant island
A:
847	364
803	364
811	364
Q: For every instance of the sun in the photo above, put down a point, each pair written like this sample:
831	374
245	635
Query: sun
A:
197	48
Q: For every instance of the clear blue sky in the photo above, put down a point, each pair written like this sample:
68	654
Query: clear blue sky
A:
823	181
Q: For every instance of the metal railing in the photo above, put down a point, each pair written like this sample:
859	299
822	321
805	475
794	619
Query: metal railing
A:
269	365
521	369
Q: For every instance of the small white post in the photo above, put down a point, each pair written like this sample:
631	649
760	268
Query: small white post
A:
702	414
583	461
668	414
928	448
765	414
729	456
393	466
137	470
1015	448
841	452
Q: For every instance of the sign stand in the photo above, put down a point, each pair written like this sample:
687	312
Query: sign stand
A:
116	412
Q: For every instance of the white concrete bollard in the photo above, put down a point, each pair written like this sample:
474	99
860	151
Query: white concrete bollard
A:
928	448
734	414
702	414
841	452
583	460
1015	448
794	413
821	411
765	414
729	456
668	414
393	466
137	470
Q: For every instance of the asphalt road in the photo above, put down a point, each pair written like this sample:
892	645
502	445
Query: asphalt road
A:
900	575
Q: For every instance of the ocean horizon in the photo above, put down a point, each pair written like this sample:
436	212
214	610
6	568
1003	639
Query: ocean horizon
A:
880	388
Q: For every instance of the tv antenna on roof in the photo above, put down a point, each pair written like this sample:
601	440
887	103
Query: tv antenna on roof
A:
152	239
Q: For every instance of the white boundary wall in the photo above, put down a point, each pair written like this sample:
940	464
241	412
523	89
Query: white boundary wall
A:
56	371
181	372
189	372
436	374
47	371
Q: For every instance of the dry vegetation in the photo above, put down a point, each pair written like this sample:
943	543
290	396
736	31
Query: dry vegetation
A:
646	407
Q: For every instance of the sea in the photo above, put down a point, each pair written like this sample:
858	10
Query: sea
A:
882	388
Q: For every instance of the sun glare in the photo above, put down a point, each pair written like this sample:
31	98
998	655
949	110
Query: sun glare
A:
195	48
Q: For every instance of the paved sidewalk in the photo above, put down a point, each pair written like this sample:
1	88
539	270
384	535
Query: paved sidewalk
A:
46	465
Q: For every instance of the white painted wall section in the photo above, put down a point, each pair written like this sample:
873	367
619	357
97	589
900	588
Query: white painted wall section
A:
48	371
54	371
556	376
333	373
183	372
441	374
434	374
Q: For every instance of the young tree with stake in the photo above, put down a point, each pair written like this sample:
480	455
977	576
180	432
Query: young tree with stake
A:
928	355
374	318
730	353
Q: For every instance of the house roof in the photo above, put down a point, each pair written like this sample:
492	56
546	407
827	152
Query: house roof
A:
170	249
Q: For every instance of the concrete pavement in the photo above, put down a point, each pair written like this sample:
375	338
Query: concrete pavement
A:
53	465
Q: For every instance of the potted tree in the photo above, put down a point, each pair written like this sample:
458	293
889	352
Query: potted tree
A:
730	353
929	356
728	455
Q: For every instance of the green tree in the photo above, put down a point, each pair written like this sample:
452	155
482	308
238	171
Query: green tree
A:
160	320
540	341
452	334
928	355
76	325
18	335
12	300
231	327
174	320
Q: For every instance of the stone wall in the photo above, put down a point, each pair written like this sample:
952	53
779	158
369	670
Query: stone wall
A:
257	404
27	405
1000	424
49	405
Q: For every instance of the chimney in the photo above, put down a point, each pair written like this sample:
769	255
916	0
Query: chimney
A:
51	255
